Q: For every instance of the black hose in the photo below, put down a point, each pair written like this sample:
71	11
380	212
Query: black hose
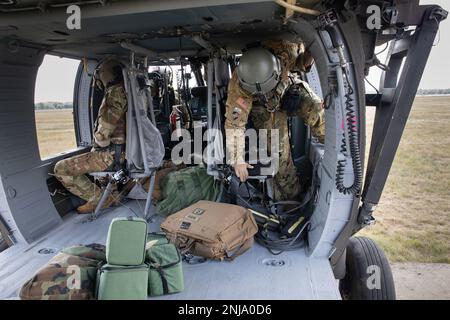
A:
281	244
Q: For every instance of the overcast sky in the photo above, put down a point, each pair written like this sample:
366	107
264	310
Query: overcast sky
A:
438	66
56	75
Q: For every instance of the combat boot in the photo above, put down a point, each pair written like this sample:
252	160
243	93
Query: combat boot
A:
89	207
113	199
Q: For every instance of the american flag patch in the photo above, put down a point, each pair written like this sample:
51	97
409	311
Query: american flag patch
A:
242	103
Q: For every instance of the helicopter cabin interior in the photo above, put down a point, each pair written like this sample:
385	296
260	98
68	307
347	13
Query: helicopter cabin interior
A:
202	42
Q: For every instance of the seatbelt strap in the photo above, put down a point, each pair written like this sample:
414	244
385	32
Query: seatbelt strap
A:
241	249
118	149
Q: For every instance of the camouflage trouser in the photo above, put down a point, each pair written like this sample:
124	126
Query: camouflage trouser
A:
286	182
72	173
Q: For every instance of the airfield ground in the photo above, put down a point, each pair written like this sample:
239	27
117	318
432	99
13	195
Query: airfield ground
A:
413	218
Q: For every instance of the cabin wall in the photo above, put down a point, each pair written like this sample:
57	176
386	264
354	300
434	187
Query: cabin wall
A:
25	202
333	209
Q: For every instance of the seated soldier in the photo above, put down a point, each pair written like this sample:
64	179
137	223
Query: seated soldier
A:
108	145
256	90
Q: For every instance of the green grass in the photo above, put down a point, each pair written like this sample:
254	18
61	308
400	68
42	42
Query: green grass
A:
55	130
413	217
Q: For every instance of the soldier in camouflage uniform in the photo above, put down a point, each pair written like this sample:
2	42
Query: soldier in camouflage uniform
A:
109	131
267	114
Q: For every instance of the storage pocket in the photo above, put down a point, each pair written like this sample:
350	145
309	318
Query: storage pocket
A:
122	282
165	270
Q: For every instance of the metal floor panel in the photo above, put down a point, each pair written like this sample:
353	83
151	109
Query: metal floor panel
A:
255	275
259	275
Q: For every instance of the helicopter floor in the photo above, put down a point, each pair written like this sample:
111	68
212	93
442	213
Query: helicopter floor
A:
257	274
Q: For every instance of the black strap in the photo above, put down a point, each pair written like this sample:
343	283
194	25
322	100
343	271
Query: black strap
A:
163	280
118	149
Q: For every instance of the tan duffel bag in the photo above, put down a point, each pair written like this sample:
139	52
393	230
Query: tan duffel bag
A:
211	230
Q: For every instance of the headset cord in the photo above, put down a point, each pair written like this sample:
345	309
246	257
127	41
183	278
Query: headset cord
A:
352	128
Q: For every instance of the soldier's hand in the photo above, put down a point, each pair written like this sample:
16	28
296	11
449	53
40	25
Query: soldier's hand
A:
241	171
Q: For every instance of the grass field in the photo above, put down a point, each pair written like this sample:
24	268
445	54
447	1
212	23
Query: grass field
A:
55	130
413	218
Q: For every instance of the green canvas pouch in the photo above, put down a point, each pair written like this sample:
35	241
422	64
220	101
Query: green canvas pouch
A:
156	238
165	270
122	282
125	245
184	187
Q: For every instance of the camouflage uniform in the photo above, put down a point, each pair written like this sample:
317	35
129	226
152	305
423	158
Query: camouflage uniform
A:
110	129
267	115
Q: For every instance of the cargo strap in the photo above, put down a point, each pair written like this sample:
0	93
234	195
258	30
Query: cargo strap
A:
242	248
118	150
165	285
160	269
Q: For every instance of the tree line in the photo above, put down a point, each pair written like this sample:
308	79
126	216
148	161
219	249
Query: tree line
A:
68	105
426	92
53	105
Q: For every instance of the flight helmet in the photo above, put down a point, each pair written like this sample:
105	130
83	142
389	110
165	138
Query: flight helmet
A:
259	71
109	72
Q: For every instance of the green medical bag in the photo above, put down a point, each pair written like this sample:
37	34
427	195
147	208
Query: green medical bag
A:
122	282
165	269
125	245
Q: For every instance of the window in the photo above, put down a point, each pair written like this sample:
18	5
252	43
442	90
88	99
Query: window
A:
54	105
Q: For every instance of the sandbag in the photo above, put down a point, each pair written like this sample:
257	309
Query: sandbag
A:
185	187
55	281
212	230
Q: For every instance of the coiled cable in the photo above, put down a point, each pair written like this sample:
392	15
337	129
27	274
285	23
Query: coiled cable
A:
353	137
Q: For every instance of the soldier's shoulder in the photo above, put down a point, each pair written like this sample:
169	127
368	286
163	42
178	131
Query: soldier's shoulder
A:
116	91
279	44
118	87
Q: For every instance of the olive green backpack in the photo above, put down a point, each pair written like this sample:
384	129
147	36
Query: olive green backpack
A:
184	187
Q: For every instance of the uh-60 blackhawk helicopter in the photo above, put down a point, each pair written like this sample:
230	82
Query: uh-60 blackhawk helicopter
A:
36	220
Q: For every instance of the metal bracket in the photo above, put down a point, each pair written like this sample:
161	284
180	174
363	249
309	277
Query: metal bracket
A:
365	216
399	87
327	19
